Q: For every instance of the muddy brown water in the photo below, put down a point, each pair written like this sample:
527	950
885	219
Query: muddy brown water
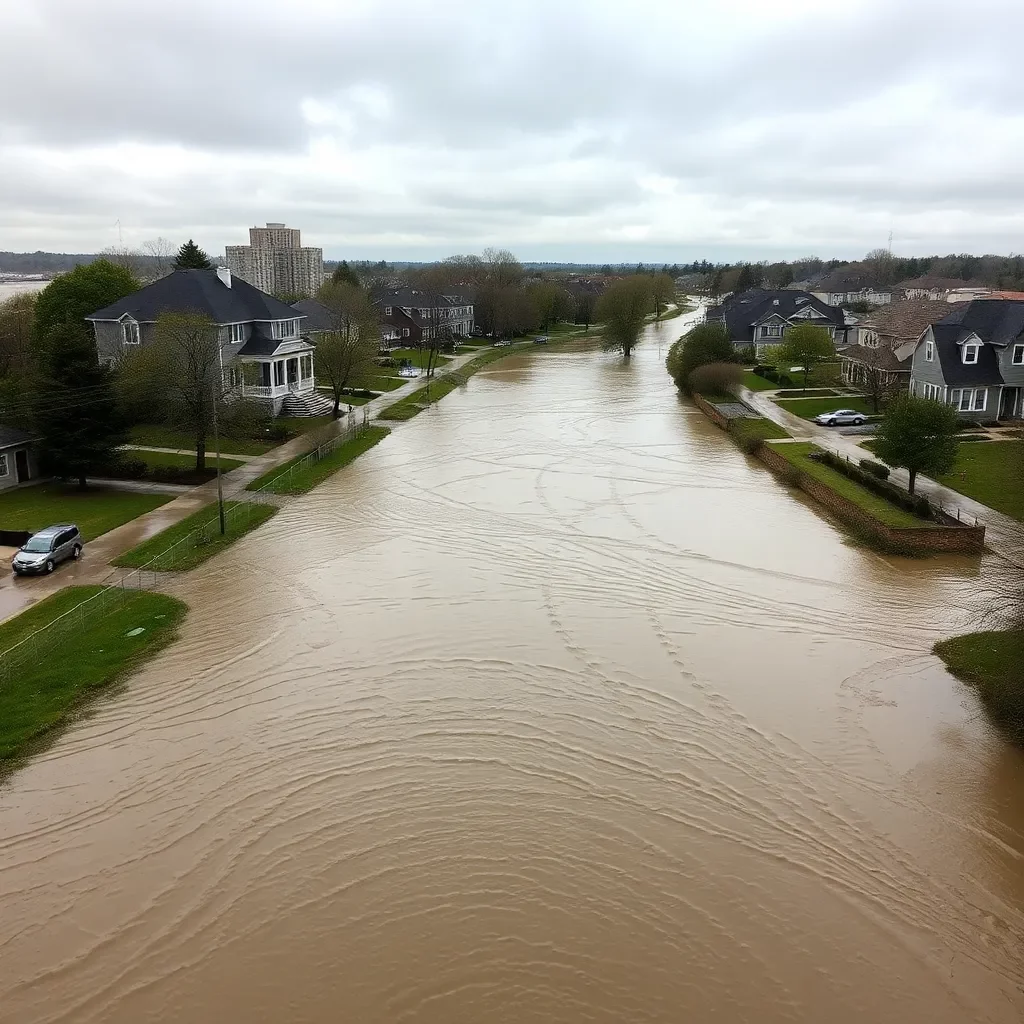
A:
552	707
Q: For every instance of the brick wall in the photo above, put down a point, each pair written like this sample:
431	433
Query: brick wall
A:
969	539
711	412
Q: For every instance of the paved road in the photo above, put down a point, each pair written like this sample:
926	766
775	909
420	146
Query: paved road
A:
1005	536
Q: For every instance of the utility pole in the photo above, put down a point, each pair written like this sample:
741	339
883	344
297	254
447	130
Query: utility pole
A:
216	448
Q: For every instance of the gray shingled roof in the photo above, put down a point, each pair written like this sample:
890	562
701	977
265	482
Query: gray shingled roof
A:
200	291
741	312
10	436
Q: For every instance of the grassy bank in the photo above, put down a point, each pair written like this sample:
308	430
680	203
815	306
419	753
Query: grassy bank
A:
993	662
94	510
991	472
280	481
47	690
751	430
240	518
876	505
754	382
413	404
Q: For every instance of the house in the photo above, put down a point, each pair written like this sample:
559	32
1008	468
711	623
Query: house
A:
758	319
966	294
17	458
885	340
843	286
451	313
252	328
973	359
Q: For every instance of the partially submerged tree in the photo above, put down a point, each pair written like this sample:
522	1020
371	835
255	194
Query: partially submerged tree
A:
805	345
704	344
623	310
918	435
191	257
663	291
345	353
76	410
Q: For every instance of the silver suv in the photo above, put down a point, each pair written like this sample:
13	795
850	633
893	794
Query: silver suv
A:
44	551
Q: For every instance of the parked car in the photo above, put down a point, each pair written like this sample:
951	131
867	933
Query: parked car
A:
45	550
542	340
840	418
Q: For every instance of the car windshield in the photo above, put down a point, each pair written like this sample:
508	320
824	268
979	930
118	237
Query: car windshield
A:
37	545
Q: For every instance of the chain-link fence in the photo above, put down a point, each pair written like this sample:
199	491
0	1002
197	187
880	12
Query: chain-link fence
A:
119	585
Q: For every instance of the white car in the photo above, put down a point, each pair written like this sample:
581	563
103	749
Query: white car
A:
840	418
408	371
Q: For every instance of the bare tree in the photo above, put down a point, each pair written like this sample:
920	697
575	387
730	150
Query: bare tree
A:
346	351
132	260
435	283
183	366
160	254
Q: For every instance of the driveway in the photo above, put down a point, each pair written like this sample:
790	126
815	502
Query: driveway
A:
1005	536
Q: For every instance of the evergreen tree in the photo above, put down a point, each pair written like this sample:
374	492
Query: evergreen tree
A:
76	411
191	257
344	274
746	280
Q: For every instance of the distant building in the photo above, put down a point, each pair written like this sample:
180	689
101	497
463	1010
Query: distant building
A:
452	313
843	286
276	261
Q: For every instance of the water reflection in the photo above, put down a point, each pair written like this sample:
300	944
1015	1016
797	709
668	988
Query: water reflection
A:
552	707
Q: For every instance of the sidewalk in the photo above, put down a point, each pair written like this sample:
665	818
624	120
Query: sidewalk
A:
1005	536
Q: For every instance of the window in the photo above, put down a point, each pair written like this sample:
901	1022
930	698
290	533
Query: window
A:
405	332
5	470
771	331
971	353
932	391
387	311
1018	355
285	329
973	399
130	332
929	351
954	397
236	333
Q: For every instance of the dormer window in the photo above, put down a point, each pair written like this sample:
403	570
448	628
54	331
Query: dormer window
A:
236	333
387	311
130	332
929	352
285	329
971	352
1018	355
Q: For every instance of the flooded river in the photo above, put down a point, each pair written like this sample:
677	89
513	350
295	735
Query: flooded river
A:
553	707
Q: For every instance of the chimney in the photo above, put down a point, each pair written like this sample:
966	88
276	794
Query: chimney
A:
224	273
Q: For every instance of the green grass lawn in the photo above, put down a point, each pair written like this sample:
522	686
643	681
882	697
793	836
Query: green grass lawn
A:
380	381
879	507
809	393
756	429
994	663
345	399
297	425
418	357
279	481
94	510
753	382
161	436
168	460
240	518
991	472
44	690
808	408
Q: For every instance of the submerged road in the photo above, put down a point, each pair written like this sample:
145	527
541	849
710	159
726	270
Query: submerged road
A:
552	707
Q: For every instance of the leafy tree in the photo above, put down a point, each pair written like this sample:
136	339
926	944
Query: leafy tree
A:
17	358
663	291
918	435
704	344
191	257
623	310
586	303
344	274
76	411
71	297
552	302
805	346
346	352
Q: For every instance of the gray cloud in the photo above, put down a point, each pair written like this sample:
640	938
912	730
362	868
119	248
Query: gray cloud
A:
582	127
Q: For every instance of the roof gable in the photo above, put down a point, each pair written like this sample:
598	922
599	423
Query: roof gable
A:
199	291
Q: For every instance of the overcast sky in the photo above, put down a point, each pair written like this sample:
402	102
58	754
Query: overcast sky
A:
660	130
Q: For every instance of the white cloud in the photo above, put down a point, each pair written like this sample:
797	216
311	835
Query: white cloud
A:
662	129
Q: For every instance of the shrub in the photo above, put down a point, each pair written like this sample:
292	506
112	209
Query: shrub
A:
706	343
273	431
129	469
918	506
716	379
785	381
875	468
750	443
244	417
763	368
771	375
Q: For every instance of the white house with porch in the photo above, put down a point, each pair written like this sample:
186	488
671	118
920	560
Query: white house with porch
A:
264	352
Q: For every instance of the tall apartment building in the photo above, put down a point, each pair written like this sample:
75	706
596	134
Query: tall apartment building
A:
275	261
